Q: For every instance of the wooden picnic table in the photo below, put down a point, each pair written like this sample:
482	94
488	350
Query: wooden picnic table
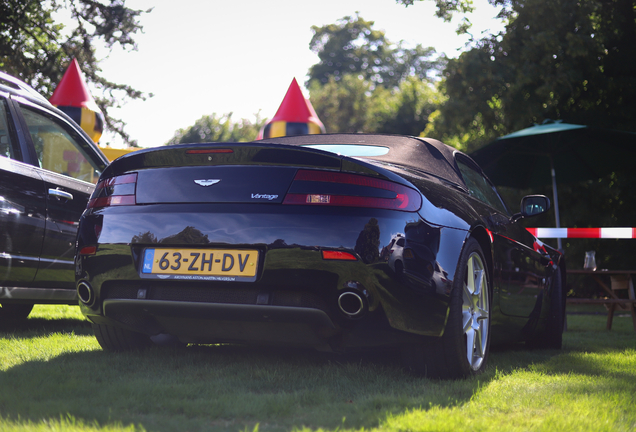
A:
619	280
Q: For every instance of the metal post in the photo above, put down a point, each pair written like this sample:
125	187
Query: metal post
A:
556	203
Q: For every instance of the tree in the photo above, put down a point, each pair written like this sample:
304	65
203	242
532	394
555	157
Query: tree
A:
411	106
571	60
446	8
36	49
472	114
365	83
350	105
344	104
352	46
213	128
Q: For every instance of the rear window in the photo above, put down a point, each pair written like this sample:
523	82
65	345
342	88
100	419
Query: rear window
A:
351	149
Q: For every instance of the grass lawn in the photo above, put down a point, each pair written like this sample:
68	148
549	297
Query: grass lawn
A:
55	377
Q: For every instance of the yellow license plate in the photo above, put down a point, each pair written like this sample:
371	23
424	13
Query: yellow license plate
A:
200	262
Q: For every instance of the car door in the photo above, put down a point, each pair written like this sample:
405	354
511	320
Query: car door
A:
22	208
520	270
69	168
523	273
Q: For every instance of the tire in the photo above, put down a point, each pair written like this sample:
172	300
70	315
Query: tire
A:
462	351
14	312
116	339
551	337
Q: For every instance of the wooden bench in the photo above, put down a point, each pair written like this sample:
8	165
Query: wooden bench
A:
619	280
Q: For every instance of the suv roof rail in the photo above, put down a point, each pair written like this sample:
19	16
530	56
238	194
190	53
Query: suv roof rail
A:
13	83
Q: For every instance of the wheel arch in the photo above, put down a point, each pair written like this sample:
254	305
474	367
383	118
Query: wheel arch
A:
483	238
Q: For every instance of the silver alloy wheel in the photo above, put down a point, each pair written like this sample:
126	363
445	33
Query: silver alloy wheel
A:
475	314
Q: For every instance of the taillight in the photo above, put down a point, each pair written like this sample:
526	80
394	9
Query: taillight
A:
88	250
328	188
338	255
114	191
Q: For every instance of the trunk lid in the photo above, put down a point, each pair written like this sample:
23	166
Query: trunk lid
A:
250	173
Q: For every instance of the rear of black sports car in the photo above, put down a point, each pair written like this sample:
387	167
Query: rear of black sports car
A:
263	243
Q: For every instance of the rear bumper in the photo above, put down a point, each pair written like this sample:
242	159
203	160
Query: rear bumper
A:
212	322
254	324
295	297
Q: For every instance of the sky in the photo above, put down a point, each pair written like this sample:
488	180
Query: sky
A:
199	57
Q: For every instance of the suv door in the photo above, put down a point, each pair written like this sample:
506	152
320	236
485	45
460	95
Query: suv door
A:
22	209
69	168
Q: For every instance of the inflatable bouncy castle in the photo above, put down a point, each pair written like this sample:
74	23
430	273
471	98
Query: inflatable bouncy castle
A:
73	98
295	116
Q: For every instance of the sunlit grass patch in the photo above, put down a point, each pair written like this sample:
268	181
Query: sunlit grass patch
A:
64	423
55	377
531	399
50	331
56	312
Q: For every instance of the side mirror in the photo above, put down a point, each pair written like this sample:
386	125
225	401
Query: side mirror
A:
532	205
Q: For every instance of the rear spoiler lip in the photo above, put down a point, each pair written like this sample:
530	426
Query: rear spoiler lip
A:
139	160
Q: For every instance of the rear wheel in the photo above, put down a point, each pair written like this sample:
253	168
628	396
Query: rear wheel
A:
462	351
116	339
14	311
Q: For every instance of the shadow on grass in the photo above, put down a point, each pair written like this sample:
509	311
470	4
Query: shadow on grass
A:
34	327
233	387
207	387
217	387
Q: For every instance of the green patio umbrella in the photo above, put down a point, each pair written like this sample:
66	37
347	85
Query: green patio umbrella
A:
555	152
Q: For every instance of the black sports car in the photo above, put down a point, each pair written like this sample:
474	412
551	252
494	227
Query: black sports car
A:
337	242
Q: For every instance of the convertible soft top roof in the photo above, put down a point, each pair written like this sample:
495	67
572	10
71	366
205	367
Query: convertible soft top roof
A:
426	154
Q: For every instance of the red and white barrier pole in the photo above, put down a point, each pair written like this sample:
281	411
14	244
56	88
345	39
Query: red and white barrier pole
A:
600	233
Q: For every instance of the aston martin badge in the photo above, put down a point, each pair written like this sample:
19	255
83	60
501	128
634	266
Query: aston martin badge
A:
208	182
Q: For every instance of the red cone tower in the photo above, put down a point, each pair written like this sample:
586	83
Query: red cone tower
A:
72	96
295	116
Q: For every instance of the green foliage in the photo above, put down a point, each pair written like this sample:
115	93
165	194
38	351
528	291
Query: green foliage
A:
473	109
412	104
214	128
25	41
36	49
54	376
343	105
352	105
572	60
365	83
446	8
352	46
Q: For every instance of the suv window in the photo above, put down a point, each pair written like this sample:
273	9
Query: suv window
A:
56	148
480	187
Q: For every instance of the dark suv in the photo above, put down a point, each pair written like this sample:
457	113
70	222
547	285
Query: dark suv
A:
48	168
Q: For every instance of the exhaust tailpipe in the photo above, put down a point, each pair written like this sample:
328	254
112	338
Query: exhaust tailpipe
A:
85	293
351	304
